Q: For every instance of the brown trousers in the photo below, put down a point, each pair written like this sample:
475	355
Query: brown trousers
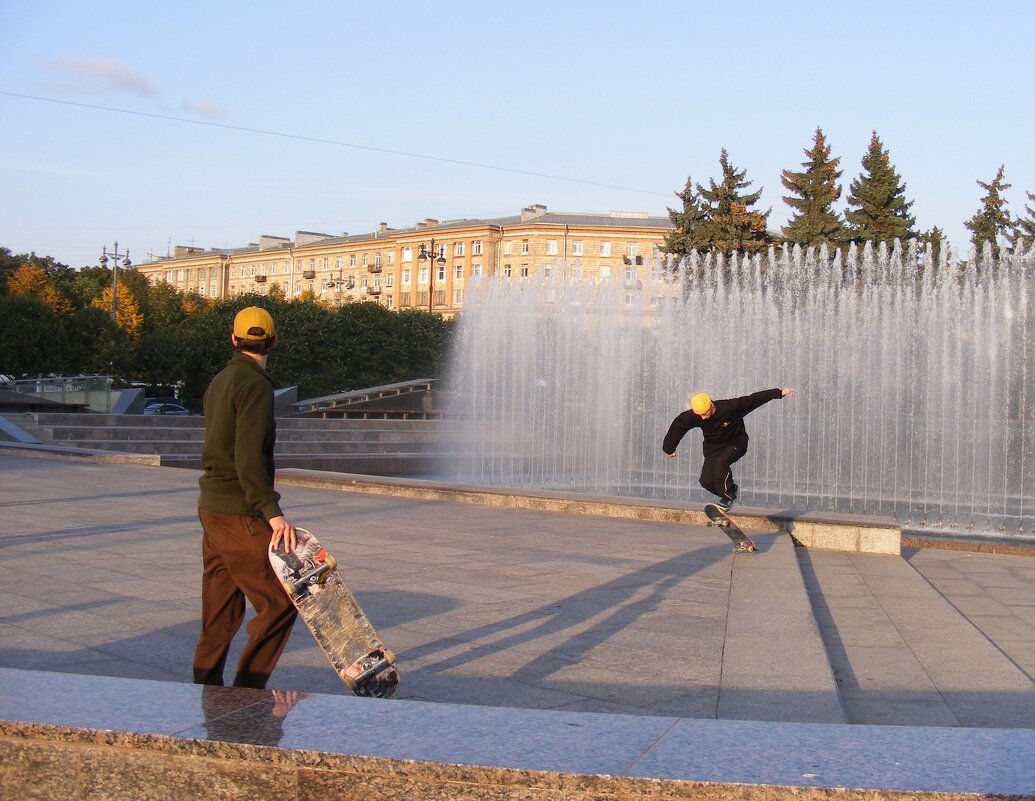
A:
236	566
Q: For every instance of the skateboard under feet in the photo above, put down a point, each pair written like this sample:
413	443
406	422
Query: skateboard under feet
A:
716	517
310	577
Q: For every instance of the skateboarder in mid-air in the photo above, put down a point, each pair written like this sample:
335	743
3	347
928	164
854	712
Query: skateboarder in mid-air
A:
725	437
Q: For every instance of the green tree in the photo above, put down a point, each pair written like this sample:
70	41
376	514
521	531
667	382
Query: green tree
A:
1024	228
32	337
935	240
732	225
877	208
690	226
813	194
993	218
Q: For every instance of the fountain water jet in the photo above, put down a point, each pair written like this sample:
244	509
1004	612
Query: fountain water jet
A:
915	378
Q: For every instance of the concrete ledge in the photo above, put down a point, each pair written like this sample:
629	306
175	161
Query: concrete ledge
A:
855	533
847	536
78	454
66	736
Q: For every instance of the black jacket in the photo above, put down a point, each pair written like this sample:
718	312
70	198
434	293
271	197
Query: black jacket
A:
722	429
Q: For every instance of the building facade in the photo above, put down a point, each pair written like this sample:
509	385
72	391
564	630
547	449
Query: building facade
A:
424	267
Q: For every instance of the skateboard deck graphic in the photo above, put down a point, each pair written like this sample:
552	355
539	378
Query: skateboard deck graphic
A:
310	577
716	517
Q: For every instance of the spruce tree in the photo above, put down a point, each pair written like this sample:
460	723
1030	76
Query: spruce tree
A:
1024	229
732	226
877	207
690	231
815	190
992	219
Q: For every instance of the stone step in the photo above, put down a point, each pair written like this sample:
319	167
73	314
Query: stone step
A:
174	447
159	433
901	652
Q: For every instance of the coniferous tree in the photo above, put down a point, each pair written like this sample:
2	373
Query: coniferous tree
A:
877	208
732	225
935	240
690	226
1024	229
815	190
992	219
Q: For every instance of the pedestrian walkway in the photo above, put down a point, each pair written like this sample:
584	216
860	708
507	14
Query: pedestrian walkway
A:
529	609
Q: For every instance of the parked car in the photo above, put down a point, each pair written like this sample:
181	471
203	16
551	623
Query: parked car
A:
177	409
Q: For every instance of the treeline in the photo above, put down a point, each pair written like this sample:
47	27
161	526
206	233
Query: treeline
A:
56	320
721	217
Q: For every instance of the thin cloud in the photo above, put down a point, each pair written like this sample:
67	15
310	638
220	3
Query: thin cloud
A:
100	74
204	109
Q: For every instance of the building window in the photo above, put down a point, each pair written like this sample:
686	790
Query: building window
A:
458	297
551	247
605	248
337	262
389	280
422	297
524	271
366	259
440	272
476	268
476	248
440	297
389	303
630	250
507	247
524	247
407	255
506	270
458	249
404	299
458	272
406	276
422	274
576	247
605	272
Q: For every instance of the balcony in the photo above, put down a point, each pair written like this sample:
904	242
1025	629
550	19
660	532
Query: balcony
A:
374	268
260	279
309	275
373	290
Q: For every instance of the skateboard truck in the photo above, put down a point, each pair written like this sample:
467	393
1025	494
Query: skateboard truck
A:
315	575
373	676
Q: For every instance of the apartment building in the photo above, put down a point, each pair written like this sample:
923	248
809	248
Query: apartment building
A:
426	266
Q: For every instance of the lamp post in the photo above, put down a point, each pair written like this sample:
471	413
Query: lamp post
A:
424	255
114	256
339	283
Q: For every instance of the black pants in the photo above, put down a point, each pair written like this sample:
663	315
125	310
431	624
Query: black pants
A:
716	475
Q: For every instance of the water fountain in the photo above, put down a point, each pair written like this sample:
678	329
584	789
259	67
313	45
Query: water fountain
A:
915	379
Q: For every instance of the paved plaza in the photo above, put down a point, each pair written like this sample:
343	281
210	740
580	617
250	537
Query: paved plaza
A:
533	610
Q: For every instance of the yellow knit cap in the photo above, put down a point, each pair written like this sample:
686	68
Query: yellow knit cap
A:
700	403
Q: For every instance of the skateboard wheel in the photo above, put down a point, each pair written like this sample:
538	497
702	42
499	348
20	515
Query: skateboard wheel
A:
331	562
290	588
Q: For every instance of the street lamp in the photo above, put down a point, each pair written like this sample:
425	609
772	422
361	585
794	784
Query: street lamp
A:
337	285
424	254
114	271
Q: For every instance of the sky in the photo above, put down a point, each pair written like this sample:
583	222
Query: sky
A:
211	123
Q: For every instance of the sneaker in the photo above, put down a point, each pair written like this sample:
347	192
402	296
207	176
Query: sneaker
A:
724	505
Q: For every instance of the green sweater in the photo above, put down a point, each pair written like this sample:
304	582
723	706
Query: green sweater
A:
240	434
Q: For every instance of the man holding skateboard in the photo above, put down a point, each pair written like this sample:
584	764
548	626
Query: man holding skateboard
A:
240	513
725	437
